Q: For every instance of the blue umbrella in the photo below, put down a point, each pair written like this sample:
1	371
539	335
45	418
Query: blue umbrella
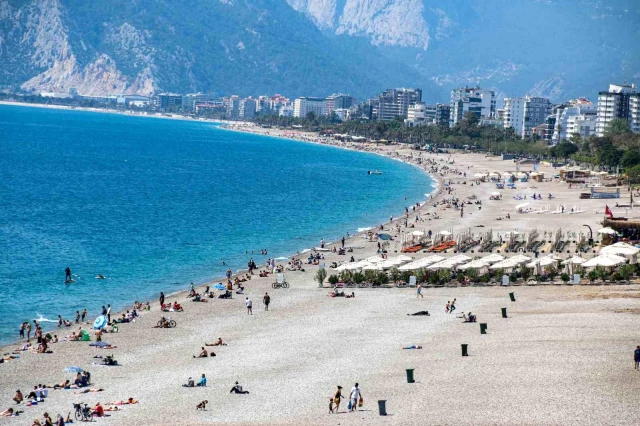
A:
219	287
100	322
99	344
73	369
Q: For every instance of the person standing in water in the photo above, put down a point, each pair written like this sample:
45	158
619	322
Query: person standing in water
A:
161	298
67	274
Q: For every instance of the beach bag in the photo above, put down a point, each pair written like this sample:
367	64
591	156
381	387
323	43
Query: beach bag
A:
360	402
336	400
349	406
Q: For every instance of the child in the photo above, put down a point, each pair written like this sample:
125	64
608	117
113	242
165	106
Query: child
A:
330	405
202	405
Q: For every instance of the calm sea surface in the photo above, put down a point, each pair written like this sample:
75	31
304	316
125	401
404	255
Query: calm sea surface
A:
154	204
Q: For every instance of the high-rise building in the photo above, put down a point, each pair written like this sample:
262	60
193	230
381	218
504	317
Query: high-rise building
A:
167	101
394	103
305	105
578	116
634	113
523	114
232	106
338	101
247	109
479	101
420	114
190	100
614	104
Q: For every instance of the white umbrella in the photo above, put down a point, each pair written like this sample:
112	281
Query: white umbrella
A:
445	264
456	260
604	260
492	258
417	233
521	206
575	260
495	194
620	248
474	264
445	233
479	175
374	259
372	267
606	231
520	258
505	264
404	258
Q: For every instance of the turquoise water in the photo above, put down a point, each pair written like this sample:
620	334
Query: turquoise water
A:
154	204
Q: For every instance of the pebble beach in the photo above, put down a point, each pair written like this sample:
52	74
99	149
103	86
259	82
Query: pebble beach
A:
564	355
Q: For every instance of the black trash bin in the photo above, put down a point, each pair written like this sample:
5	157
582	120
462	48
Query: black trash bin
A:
382	407
410	375
464	349
512	296
504	312
483	328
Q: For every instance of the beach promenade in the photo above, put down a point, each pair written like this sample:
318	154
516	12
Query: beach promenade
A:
564	355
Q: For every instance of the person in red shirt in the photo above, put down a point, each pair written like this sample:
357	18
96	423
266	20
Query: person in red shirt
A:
98	410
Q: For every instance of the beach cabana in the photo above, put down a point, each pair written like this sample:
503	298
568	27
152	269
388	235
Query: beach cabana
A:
620	248
493	258
474	264
604	261
421	263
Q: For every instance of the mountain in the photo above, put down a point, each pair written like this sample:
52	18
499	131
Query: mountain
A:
556	48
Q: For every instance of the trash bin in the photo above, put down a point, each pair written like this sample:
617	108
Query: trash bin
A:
464	350
382	407
512	296
410	375
483	328
504	312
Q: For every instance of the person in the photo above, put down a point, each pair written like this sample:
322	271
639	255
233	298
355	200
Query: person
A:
7	413
190	383
18	397
67	274
77	317
22	327
446	308
240	289
129	401
330	405
419	291
337	397
413	347
453	306
355	396
202	354
47	420
203	381
108	313
202	405
84	314
59	420
161	298
249	306
266	300
98	410
420	313
636	357
217	343
238	389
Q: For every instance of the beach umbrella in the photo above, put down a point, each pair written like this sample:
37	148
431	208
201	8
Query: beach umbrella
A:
493	258
505	264
575	260
474	264
521	206
404	258
520	258
73	369
219	286
417	233
100	322
281	258
456	260
606	230
445	264
445	233
495	194
384	237
374	259
604	260
372	267
620	248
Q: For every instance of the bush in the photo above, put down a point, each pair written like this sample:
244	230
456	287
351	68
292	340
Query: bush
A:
358	278
592	275
405	276
616	276
395	274
333	279
320	276
565	277
484	278
626	271
381	278
460	277
526	273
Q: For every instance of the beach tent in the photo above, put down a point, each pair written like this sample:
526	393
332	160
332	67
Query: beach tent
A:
84	336
605	261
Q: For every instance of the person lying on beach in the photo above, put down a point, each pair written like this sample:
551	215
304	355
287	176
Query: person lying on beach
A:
202	405
63	385
112	409
127	402
177	307
413	347
238	389
350	296
216	343
89	390
9	412
203	354
420	313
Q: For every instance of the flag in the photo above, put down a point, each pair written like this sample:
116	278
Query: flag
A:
608	212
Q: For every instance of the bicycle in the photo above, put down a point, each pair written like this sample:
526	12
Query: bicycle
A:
280	285
82	414
170	323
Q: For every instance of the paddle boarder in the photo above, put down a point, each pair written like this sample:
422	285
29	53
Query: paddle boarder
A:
67	274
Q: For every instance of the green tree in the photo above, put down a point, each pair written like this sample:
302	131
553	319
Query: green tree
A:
565	149
320	276
633	174
617	126
630	158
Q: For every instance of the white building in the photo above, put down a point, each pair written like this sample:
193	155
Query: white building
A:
416	115
285	111
247	109
614	104
578	117
479	101
634	113
305	105
523	114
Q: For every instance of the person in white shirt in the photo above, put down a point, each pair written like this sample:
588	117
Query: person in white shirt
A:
108	314
355	396
249	306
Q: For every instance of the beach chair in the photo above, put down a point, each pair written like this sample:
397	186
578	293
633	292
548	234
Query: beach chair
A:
412	281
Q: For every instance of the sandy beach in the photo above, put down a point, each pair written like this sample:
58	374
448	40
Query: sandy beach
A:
564	355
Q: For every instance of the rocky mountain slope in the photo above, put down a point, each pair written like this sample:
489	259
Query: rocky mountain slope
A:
557	48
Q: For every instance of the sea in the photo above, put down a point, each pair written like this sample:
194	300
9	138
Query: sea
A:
155	204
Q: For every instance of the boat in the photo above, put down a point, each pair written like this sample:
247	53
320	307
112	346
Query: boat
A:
375	172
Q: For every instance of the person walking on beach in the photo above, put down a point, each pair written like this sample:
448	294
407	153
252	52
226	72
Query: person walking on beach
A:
108	313
161	298
419	291
77	317
342	242
28	331
446	308
67	274
22	331
229	274
453	306
355	397
84	314
266	300
337	397
636	358
249	304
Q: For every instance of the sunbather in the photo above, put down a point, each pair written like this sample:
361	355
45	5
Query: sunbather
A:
238	389
127	402
8	413
203	354
413	347
90	390
420	313
217	343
